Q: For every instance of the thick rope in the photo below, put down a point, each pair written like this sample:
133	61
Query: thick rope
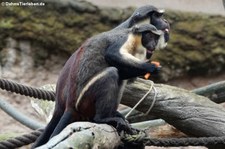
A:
21	140
142	138
174	142
26	90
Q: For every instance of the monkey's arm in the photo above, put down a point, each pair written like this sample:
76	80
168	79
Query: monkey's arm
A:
139	14
128	65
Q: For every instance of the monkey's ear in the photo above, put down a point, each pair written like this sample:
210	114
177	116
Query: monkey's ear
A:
135	29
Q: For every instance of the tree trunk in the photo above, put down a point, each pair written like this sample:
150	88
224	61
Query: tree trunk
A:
192	114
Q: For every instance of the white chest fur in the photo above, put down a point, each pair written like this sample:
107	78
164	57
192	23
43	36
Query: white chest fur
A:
133	50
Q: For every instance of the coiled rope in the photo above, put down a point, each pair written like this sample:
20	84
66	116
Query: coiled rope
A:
26	90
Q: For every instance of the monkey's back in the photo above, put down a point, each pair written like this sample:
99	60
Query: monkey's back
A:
83	65
93	57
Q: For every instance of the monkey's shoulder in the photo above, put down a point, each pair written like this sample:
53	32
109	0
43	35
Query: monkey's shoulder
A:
96	42
104	40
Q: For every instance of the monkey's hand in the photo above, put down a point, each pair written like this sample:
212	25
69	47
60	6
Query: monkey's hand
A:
153	68
155	72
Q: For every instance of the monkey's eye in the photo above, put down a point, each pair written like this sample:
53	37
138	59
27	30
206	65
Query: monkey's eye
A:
148	36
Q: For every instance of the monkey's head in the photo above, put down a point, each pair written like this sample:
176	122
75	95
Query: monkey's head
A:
151	38
151	15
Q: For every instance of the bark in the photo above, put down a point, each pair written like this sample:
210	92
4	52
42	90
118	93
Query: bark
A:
215	92
85	135
191	113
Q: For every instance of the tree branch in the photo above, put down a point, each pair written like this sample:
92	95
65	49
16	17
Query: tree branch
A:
85	135
216	92
192	114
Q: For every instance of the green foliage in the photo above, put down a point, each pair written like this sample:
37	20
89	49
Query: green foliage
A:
196	44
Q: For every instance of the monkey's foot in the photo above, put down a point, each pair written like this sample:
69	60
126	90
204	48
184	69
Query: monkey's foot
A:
123	125
117	122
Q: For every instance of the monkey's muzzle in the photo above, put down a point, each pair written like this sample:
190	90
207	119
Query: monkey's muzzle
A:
166	35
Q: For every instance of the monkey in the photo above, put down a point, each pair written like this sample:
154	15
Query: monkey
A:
95	95
145	15
91	83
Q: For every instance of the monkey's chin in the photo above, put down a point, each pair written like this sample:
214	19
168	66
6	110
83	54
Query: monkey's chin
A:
161	43
149	53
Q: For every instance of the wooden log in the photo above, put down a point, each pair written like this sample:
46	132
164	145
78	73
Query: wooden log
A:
216	92
85	135
192	114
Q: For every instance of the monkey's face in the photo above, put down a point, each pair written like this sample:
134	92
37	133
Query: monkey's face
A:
160	23
152	40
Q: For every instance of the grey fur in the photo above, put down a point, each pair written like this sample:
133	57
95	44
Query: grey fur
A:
94	53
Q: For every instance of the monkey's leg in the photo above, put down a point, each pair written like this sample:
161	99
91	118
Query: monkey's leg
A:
66	119
105	90
44	137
